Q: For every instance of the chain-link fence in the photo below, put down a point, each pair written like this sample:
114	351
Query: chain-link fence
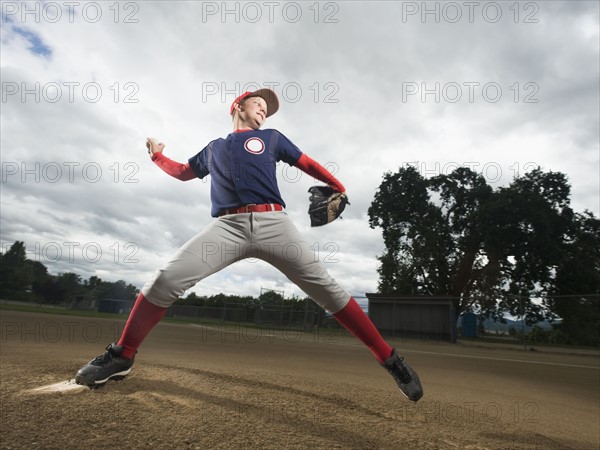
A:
304	316
558	320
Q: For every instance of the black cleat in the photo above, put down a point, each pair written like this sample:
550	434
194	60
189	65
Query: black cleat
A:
406	378
104	367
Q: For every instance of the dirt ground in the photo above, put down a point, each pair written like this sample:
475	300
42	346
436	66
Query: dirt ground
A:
204	387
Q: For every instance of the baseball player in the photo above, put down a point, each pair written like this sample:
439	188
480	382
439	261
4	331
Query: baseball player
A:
249	222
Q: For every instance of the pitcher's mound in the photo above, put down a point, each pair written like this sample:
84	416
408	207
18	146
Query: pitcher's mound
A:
65	387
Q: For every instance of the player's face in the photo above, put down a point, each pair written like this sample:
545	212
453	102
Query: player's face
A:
253	112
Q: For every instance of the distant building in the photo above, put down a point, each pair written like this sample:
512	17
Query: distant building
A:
413	317
84	302
115	306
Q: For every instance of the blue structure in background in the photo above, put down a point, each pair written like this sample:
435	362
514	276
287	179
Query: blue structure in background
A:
469	325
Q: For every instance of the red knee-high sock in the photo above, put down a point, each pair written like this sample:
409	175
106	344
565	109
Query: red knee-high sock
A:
353	318
142	319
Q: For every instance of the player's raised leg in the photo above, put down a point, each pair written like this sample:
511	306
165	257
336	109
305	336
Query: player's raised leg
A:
353	318
303	268
219	245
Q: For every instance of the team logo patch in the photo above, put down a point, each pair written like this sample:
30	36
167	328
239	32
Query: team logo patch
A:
254	145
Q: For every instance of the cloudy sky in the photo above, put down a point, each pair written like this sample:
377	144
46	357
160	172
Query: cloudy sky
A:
365	87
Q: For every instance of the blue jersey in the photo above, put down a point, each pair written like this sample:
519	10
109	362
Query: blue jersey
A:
243	167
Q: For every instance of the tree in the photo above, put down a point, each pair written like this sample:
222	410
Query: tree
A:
16	274
92	283
270	298
454	235
528	225
575	296
412	234
70	282
52	292
191	300
24	279
119	289
40	278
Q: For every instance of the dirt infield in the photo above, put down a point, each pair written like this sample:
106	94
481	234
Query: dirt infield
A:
204	387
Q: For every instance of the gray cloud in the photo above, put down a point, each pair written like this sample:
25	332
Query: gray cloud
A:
343	88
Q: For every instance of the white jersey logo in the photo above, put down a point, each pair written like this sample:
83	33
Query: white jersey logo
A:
254	145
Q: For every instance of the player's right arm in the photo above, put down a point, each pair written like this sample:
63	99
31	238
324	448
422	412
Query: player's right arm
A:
177	170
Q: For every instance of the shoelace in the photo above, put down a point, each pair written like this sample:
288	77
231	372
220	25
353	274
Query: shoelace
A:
104	358
400	371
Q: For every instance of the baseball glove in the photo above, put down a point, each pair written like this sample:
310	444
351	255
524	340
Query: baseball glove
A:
326	205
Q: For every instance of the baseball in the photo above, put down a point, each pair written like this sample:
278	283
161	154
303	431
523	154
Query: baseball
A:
153	145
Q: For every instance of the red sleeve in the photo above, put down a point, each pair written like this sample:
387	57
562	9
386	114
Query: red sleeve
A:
180	171
309	166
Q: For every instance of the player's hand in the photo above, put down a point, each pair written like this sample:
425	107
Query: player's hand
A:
154	146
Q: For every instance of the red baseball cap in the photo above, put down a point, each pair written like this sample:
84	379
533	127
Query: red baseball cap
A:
266	94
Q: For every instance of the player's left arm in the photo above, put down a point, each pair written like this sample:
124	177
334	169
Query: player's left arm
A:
309	166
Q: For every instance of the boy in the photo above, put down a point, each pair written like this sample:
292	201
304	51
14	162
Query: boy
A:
250	222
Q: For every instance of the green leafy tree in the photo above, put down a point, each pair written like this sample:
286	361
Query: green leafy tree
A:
92	283
41	279
119	289
24	279
528	226
576	292
217	300
70	282
16	275
98	288
191	300
52	292
411	226
270	298
454	235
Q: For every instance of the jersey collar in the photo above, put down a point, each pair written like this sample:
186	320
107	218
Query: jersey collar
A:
243	130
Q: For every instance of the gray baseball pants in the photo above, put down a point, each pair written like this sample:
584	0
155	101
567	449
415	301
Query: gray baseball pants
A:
269	236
